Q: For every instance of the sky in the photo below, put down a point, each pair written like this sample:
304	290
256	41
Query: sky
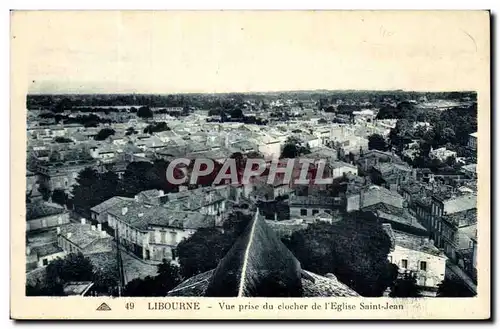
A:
176	52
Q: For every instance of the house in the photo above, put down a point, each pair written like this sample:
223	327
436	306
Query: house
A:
310	205
442	154
41	255
370	195
153	232
399	218
472	142
371	158
391	175
42	215
340	168
417	255
449	211
84	238
459	230
105	153
207	201
152	197
62	174
264	191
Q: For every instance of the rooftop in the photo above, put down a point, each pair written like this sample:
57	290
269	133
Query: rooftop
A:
82	235
417	243
41	209
45	250
77	288
110	203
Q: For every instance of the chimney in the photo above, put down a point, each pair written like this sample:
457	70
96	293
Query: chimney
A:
99	227
28	250
58	230
68	235
103	234
92	227
124	211
82	220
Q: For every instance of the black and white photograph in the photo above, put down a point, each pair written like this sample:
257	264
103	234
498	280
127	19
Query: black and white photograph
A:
236	159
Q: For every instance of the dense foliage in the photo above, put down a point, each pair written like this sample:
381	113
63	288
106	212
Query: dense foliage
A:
167	278
203	250
355	250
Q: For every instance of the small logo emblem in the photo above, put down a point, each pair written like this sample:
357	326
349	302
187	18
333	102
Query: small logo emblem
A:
104	307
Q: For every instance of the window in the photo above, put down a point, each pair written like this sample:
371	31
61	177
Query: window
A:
303	212
390	259
423	266
404	263
163	237
45	262
315	211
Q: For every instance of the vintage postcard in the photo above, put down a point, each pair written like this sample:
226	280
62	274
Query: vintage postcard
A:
250	165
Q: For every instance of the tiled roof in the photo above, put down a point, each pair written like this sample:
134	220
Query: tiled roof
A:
46	249
141	216
462	218
417	243
77	288
314	285
40	210
82	235
110	203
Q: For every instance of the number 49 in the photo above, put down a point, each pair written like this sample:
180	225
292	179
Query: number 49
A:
129	306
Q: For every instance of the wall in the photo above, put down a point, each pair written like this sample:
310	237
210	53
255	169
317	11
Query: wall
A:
162	240
436	266
340	171
46	222
50	258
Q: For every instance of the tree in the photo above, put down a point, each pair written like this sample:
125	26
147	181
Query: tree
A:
45	192
62	140
168	277
406	286
130	131
294	147
85	191
59	197
203	250
63	105
377	142
104	133
453	288
144	112
74	267
156	127
355	250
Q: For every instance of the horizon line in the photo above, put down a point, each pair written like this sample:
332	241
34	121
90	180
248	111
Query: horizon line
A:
243	92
